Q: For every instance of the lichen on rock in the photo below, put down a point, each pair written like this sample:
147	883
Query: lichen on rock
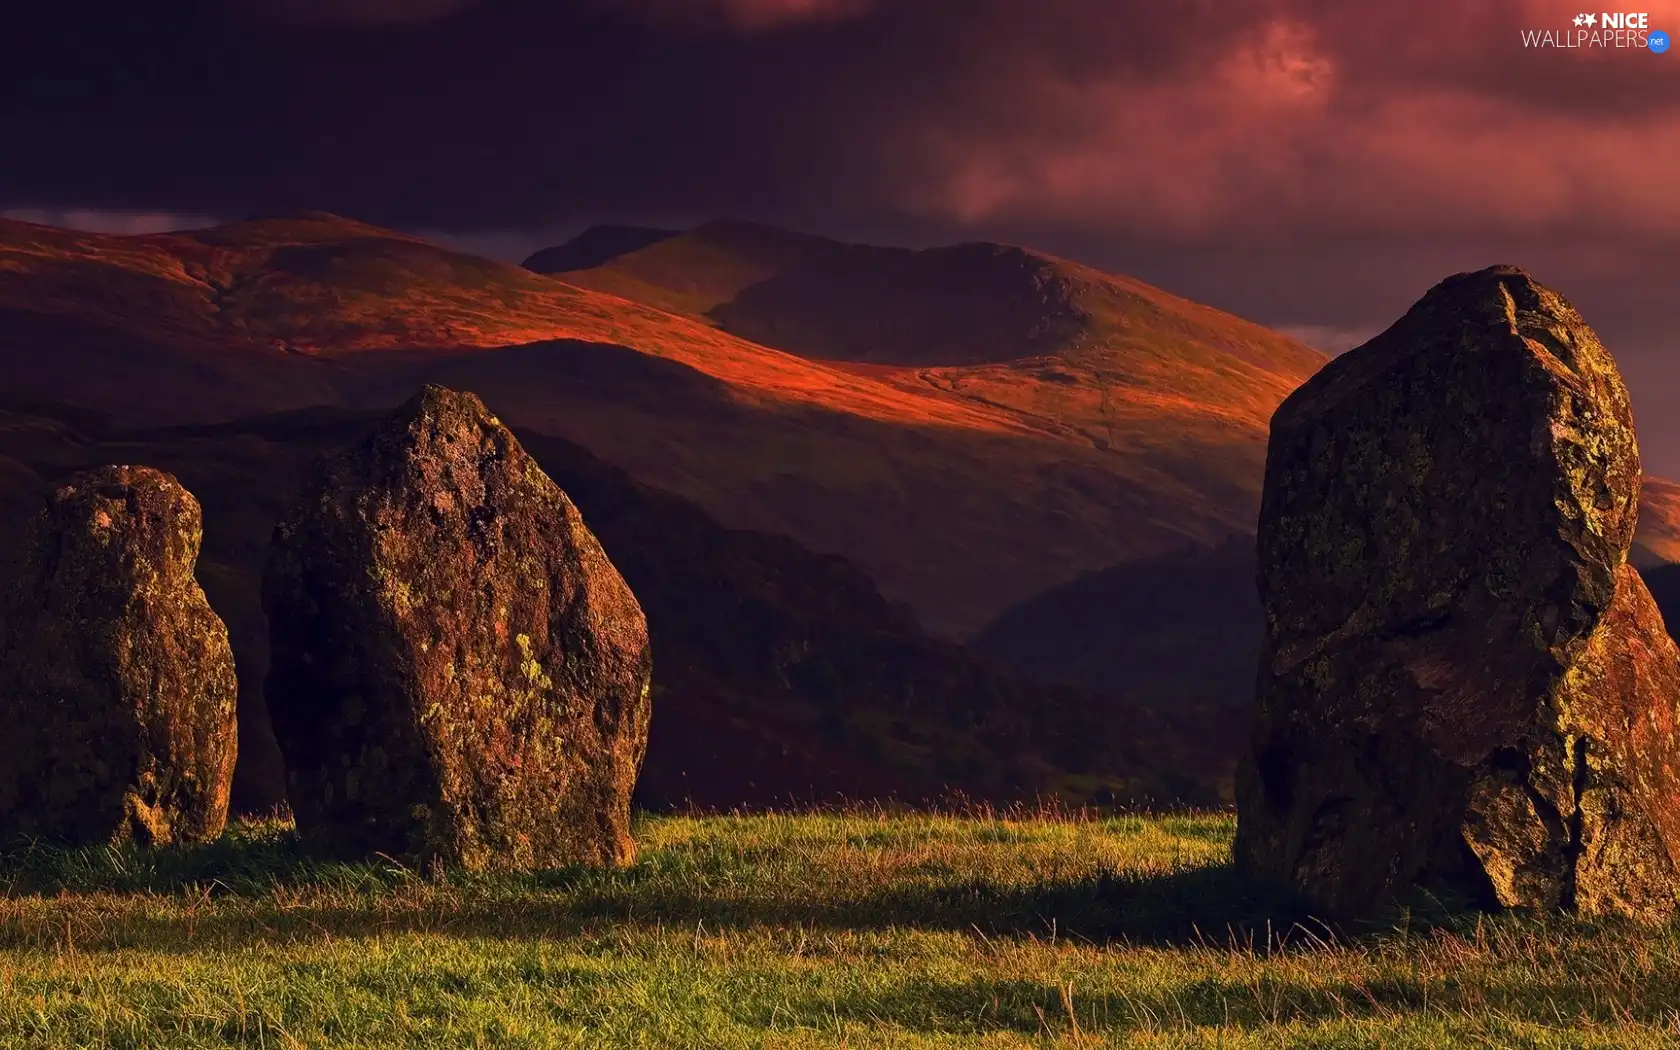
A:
459	674
117	689
1465	689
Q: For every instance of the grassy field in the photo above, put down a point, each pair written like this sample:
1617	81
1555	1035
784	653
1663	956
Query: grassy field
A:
782	931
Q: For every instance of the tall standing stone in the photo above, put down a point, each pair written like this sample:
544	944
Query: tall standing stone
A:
1465	688
117	690
457	674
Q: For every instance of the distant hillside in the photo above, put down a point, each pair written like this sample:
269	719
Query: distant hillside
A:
1658	539
969	425
593	247
962	305
1182	632
780	675
699	270
1179	634
1664	584
1183	629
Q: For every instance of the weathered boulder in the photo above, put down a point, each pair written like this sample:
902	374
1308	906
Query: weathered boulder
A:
1465	689
457	672
117	691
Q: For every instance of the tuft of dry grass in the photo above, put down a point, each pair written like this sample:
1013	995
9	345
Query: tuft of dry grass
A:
855	929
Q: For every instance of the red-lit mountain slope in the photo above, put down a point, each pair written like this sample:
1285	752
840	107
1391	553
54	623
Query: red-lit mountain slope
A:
971	425
1657	541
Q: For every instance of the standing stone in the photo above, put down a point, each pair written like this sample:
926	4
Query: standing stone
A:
117	689
1465	688
457	673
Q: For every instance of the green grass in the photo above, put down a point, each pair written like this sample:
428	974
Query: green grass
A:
786	931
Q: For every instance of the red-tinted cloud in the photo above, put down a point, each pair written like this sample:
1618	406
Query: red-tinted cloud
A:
739	15
1282	121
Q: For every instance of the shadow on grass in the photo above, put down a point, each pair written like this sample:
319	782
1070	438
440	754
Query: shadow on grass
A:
249	859
1189	906
269	890
257	889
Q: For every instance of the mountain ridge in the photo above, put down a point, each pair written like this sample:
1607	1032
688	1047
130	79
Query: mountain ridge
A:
960	489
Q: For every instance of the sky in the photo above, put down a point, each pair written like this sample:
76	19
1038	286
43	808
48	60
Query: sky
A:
1315	165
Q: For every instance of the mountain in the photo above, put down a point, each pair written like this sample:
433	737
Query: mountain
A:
1664	584
1131	364
968	425
1169	393
1180	635
779	674
1179	630
961	305
595	246
849	452
1658	539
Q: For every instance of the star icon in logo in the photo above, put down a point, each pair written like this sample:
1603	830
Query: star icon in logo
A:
1580	20
1592	20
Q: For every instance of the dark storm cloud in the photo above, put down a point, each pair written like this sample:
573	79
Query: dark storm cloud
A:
351	12
737	15
1265	120
727	15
